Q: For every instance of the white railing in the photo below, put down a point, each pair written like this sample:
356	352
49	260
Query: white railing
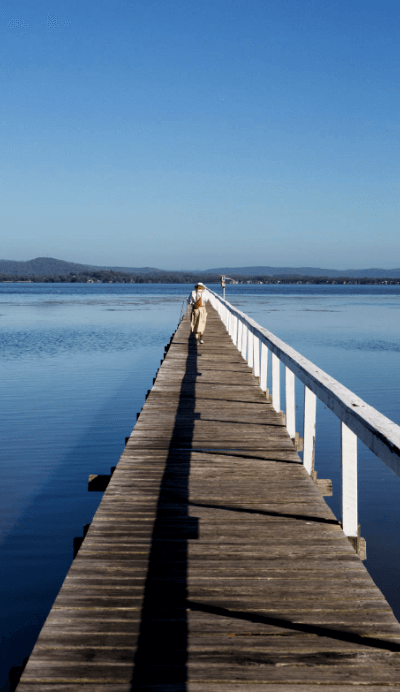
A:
358	419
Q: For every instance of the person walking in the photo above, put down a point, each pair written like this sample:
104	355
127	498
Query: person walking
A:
197	300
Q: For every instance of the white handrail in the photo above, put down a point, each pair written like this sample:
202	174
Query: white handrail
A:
185	300
358	419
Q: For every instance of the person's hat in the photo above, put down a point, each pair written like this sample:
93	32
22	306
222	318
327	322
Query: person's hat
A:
199	285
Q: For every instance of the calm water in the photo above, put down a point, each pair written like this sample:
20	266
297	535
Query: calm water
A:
76	363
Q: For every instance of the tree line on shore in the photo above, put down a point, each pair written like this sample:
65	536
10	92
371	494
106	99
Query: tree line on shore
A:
111	276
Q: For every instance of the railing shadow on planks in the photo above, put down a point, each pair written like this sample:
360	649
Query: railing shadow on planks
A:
358	419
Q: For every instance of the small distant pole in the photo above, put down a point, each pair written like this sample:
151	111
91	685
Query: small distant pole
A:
223	284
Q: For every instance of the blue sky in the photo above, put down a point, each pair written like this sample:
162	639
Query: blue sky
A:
192	135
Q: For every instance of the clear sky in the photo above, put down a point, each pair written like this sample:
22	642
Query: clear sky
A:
181	134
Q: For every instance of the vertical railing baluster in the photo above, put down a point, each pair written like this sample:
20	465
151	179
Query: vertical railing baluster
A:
244	340
235	330
264	367
250	348
290	403
276	382
256	358
239	338
310	413
231	324
349	482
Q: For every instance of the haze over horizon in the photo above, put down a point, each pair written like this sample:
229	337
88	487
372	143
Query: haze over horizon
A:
179	136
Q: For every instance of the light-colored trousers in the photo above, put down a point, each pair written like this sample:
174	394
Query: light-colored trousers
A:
198	321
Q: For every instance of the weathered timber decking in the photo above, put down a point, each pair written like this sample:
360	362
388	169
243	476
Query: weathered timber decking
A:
213	562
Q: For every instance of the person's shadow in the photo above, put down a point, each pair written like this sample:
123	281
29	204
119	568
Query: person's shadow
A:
161	655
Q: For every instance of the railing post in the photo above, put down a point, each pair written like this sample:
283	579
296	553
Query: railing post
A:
276	383
239	337
310	413
349	482
235	330
250	348
229	323
244	340
225	315
290	403
256	349
264	367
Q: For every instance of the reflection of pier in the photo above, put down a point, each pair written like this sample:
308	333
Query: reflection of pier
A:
213	562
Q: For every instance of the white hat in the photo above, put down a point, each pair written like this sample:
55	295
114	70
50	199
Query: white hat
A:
199	284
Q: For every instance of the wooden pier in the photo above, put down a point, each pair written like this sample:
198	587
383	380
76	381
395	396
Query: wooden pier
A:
213	562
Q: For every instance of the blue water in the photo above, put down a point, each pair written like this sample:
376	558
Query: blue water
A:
76	363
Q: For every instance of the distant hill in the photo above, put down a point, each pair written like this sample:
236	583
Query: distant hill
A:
307	271
48	266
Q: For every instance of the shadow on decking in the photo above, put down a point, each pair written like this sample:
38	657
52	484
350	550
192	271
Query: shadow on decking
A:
266	513
254	424
319	630
161	656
